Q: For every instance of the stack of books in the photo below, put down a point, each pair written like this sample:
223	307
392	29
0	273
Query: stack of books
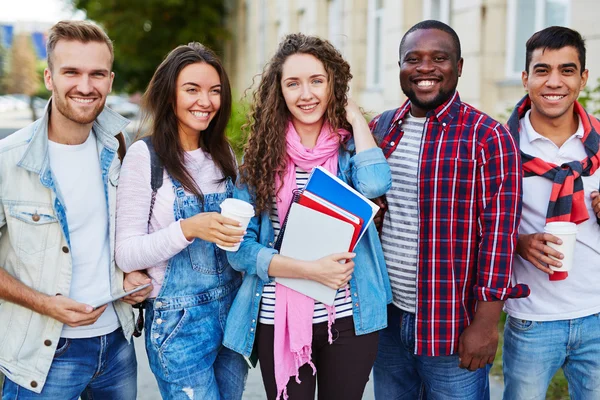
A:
328	217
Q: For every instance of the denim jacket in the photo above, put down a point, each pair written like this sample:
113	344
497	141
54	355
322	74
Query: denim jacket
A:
34	243
369	173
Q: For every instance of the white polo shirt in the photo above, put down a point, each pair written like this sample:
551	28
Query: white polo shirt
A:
579	294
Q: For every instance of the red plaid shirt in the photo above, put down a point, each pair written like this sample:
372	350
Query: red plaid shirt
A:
469	191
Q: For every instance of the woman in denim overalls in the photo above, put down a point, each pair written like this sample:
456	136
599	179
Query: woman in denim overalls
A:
171	187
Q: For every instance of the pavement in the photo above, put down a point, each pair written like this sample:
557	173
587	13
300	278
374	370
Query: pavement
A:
147	387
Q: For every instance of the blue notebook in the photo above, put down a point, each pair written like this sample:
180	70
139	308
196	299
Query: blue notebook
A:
328	186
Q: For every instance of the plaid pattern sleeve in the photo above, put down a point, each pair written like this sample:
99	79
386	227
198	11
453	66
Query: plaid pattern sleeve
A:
469	184
499	204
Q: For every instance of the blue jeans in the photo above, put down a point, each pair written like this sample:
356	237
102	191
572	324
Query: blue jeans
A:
102	367
534	351
399	374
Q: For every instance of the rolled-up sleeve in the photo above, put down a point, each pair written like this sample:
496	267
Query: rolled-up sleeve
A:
500	185
371	173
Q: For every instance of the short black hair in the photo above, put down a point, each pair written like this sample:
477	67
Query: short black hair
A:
555	38
432	24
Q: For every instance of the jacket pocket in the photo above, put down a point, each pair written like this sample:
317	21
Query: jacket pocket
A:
34	228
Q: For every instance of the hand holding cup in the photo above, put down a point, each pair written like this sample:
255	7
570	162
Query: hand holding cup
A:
213	227
240	213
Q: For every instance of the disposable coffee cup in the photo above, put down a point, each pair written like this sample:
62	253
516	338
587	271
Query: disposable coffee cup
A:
567	232
239	210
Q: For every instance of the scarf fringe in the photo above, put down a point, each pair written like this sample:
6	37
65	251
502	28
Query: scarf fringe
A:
283	392
330	321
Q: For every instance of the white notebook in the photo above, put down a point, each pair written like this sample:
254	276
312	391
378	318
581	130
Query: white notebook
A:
310	235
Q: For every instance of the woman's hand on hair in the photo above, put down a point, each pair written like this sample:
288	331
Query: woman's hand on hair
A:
352	112
214	228
363	139
330	272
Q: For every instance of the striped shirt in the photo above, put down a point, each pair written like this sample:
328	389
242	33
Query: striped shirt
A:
343	305
400	232
469	196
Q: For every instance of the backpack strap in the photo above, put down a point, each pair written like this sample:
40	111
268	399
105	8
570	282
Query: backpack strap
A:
156	173
383	127
384	124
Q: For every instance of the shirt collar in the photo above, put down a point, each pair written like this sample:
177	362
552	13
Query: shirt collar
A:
444	113
533	135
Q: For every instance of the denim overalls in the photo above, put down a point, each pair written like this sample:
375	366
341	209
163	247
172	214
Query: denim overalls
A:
186	321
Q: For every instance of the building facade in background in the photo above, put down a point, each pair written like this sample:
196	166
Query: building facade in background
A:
367	32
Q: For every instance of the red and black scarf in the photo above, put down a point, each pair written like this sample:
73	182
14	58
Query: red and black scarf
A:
567	201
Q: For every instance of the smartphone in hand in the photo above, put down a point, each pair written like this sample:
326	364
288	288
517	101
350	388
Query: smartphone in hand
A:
101	302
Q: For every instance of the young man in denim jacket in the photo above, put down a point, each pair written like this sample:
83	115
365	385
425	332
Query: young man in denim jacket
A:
558	325
450	230
58	179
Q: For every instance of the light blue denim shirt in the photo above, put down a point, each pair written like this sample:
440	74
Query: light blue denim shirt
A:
34	242
369	173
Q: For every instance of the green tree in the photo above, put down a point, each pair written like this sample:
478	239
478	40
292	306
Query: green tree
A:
590	98
22	77
144	31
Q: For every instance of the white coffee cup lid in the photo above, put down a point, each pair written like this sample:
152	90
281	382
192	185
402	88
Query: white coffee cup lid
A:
238	207
561	227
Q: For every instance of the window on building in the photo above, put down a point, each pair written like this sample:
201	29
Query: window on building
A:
374	44
437	9
525	17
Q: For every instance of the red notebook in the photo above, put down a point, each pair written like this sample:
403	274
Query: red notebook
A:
317	203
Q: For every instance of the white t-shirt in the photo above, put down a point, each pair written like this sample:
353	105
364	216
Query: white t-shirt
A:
77	174
578	295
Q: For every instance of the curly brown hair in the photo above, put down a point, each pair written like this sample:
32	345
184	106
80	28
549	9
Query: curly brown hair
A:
265	152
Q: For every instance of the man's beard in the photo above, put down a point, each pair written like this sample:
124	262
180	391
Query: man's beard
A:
437	101
63	106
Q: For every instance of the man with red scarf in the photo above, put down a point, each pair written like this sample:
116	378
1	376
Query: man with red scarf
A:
558	325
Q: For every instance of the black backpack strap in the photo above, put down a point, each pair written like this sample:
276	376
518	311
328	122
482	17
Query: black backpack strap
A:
156	173
383	124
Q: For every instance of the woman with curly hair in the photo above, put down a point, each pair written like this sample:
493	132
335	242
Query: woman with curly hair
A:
172	229
301	118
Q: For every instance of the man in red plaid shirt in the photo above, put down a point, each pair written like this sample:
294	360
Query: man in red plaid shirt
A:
450	229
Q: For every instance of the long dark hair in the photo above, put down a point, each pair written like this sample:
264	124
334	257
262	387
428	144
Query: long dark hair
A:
265	153
159	102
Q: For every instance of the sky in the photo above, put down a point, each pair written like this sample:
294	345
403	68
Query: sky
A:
37	10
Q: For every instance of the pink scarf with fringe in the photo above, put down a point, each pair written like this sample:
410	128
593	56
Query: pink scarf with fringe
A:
292	347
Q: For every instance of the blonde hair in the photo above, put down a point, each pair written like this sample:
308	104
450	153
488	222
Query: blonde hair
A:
81	31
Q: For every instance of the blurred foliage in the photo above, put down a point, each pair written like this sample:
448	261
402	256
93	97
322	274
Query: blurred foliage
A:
22	77
3	68
590	98
237	138
144	31
41	89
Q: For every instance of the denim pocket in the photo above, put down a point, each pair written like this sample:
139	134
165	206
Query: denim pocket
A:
62	347
206	257
165	326
35	228
520	324
193	342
